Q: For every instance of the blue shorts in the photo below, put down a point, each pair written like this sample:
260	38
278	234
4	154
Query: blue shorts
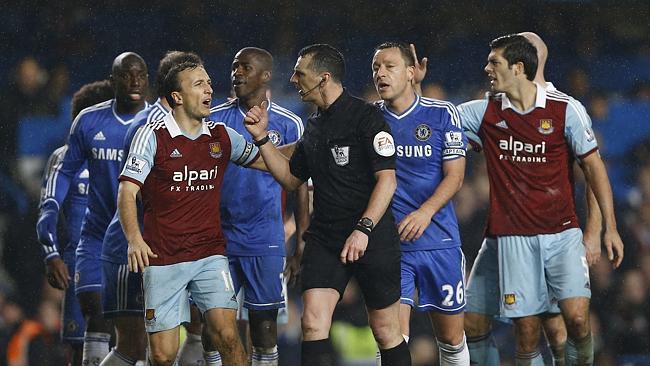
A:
74	325
438	276
261	278
122	290
88	269
482	292
167	289
536	270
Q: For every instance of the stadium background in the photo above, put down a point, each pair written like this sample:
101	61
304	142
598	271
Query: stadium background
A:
599	52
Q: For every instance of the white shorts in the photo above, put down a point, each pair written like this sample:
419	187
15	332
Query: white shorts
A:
167	290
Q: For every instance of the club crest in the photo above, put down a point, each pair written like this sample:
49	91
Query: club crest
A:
545	126
275	137
422	132
215	150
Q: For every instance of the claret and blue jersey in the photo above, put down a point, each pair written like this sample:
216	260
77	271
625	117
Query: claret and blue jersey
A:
251	204
426	135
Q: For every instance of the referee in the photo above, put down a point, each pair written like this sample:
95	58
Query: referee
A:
348	152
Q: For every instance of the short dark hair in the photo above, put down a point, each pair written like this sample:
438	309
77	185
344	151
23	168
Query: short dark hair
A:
325	58
403	48
172	83
91	94
517	48
168	61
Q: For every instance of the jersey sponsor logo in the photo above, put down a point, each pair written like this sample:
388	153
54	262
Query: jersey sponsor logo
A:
99	136
192	176
514	148
82	188
384	144
502	124
453	139
545	126
135	165
422	132
275	137
101	153
176	154
215	150
341	155
417	151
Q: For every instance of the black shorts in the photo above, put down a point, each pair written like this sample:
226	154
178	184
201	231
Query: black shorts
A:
377	272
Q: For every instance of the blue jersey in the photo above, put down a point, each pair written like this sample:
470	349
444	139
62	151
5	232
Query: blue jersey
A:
96	137
74	206
251	204
115	245
426	135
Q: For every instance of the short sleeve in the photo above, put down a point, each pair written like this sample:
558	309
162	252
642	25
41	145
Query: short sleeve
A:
141	156
454	140
578	131
242	152
377	140
298	163
471	116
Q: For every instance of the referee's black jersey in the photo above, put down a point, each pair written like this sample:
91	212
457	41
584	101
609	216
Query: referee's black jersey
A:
341	149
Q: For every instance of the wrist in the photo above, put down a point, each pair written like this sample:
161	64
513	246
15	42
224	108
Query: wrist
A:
261	141
365	225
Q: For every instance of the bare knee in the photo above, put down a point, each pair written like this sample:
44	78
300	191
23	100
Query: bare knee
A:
476	324
555	330
527	332
315	326
578	326
161	357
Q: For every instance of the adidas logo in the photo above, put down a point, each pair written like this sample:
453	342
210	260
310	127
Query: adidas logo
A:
175	154
502	124
99	136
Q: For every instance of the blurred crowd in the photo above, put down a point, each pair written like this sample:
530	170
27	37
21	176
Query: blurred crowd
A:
598	52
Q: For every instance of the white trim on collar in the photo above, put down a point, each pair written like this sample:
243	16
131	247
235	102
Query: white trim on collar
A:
175	130
540	99
406	112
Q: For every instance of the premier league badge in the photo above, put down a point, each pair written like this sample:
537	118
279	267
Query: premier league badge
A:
545	126
215	150
341	155
422	132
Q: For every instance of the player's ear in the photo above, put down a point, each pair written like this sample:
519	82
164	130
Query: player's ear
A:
410	73
266	76
178	99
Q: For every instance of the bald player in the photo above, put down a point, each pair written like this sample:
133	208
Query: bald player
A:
96	138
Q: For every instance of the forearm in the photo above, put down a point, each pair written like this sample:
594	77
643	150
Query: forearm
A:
301	215
275	162
128	212
381	195
445	191
596	177
594	220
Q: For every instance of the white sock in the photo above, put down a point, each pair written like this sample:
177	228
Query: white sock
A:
212	358
95	348
265	356
454	355
378	355
115	358
191	352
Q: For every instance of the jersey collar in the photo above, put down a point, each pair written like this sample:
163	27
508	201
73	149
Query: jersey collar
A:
406	112
540	99
117	116
174	130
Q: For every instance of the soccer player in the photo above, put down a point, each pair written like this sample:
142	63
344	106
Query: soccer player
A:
348	151
430	169
97	137
122	290
251	206
177	163
531	137
61	262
